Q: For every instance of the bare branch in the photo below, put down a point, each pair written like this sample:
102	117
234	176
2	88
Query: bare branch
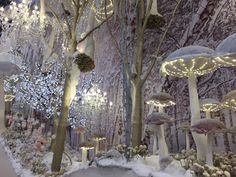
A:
149	6
57	17
111	34
160	44
98	26
66	18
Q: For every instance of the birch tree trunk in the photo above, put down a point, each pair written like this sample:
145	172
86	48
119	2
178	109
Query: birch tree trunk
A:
2	105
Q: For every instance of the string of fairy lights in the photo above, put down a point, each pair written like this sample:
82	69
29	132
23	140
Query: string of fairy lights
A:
183	67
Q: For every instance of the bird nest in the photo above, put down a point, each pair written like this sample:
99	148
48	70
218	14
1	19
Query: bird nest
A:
155	21
85	63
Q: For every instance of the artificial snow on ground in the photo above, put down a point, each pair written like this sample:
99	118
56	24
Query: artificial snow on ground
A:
138	167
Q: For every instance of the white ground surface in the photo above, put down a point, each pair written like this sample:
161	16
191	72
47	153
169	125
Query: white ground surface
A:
6	169
103	172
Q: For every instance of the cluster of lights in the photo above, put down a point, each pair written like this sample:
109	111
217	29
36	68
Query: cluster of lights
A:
94	98
161	100
226	60
100	13
9	98
183	67
20	15
212	107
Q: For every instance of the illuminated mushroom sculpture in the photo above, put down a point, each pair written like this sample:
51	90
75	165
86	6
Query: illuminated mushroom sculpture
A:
85	146
186	128
161	100
226	51
208	127
81	130
97	137
154	121
190	62
209	105
229	100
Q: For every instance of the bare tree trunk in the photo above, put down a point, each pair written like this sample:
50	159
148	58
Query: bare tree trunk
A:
136	115
2	105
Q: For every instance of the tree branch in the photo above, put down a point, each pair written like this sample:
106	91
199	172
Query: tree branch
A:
160	44
66	19
98	26
57	17
149	6
111	34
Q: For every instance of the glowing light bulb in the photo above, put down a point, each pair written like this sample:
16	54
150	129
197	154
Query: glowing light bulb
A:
105	93
36	7
110	103
1	9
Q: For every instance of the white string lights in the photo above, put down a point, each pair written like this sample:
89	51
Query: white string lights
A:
100	12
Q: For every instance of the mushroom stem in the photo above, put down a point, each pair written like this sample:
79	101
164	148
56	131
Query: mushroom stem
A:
84	155
200	140
2	105
208	114
160	109
42	10
81	137
163	149
97	147
187	140
209	156
154	148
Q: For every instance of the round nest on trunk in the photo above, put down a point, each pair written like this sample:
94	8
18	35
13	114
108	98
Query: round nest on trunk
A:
155	21
85	63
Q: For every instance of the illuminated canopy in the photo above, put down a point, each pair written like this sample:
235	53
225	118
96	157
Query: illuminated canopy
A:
229	100
191	59
210	105
226	51
161	99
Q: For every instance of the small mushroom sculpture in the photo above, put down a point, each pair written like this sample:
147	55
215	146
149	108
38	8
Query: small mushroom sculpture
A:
85	146
97	137
209	105
186	128
226	51
190	62
208	127
81	130
154	121
161	100
229	100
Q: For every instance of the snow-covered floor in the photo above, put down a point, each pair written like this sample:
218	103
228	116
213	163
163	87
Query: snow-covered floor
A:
6	169
103	172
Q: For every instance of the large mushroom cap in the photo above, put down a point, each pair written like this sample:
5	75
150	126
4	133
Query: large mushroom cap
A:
229	100
205	126
190	59
158	118
87	145
226	51
210	104
98	136
161	99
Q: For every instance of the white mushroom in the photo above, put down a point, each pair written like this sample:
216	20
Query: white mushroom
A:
229	100
208	127
161	100
85	146
209	105
226	51
191	61
186	128
154	121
